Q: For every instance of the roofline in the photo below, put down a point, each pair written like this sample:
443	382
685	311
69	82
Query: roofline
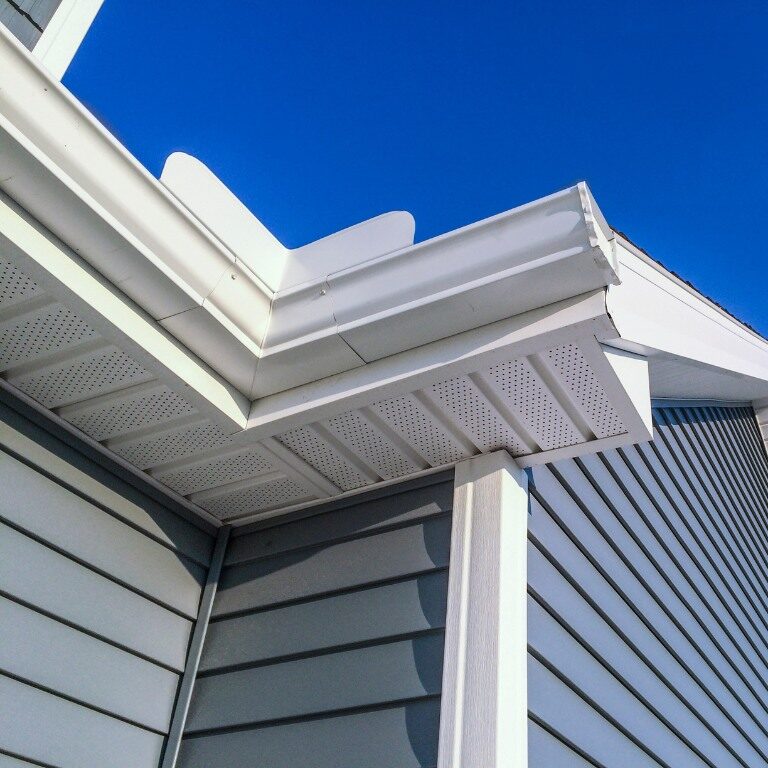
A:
74	178
53	147
681	282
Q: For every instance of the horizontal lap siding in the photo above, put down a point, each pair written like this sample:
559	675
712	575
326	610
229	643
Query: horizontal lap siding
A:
99	589
648	590
326	642
26	19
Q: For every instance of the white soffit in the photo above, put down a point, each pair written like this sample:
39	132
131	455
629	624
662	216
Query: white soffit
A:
74	309
533	386
181	338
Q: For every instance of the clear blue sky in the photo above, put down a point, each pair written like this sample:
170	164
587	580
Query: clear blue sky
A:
321	114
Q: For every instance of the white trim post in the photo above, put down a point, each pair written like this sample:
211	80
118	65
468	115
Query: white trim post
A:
484	711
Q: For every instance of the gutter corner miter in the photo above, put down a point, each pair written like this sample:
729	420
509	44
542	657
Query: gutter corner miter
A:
601	236
532	256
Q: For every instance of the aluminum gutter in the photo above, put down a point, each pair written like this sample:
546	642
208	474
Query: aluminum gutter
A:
367	299
531	256
60	165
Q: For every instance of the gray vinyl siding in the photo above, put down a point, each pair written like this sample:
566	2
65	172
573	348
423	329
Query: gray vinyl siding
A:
648	599
100	581
325	646
27	19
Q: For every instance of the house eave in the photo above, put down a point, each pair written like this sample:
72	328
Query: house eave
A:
256	372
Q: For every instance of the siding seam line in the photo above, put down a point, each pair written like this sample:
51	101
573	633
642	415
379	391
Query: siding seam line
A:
700	511
412	523
596	707
705	689
685	577
640	615
310	598
697	561
90	633
726	535
320	652
564	740
94	569
101	506
639	697
79	702
310	716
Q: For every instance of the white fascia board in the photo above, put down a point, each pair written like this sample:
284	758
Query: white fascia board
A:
60	164
64	33
656	312
565	321
109	312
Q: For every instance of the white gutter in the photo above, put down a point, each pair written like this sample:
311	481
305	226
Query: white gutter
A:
230	294
69	172
369	293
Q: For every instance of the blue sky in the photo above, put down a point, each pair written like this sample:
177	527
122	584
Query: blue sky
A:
321	114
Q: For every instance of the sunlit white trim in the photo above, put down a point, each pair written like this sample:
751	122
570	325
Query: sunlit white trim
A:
484	707
64	33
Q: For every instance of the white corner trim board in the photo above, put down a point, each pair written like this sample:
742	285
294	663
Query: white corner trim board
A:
62	37
484	711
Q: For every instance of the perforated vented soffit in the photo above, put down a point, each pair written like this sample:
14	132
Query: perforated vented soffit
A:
528	405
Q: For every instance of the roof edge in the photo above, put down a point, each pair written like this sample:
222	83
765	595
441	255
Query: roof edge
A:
63	166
